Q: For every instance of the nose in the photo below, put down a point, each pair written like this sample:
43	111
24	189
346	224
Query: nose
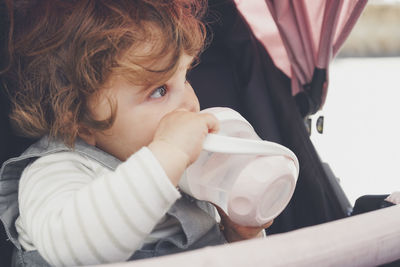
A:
190	101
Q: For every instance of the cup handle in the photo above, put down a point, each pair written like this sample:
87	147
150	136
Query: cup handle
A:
233	145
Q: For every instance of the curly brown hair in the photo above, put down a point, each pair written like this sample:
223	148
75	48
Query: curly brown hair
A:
63	52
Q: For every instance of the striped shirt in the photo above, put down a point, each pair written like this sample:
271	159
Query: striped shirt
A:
74	211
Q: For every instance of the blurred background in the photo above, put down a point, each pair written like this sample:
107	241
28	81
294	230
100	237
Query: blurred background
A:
361	134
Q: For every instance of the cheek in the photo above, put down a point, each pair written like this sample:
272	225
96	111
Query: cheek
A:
143	129
194	100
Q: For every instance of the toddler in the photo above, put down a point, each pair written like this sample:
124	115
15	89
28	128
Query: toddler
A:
102	85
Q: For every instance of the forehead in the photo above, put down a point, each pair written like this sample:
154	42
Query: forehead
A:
147	66
183	64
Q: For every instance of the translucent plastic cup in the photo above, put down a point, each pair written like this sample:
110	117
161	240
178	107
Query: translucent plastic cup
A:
250	179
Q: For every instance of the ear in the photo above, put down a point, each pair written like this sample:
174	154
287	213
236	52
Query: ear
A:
87	135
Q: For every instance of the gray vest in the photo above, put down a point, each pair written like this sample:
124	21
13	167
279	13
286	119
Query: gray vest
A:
196	218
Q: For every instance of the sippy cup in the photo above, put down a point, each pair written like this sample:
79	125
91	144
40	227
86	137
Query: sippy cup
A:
250	179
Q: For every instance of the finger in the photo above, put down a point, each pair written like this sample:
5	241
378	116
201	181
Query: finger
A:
211	122
268	224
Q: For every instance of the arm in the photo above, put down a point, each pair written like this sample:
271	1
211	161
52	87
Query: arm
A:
234	232
74	218
183	135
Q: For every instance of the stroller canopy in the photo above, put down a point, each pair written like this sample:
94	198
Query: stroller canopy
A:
302	37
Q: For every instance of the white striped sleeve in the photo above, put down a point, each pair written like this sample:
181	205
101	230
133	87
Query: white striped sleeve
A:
75	218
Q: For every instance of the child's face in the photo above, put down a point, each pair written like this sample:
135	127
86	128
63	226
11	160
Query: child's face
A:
139	111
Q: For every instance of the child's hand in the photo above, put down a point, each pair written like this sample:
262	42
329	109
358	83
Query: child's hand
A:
178	140
234	232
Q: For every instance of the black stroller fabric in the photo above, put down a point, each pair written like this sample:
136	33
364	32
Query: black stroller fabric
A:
237	72
369	203
10	144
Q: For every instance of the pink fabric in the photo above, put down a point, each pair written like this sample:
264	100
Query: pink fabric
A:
303	34
259	18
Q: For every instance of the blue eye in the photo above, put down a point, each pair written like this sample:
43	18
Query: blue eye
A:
159	92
